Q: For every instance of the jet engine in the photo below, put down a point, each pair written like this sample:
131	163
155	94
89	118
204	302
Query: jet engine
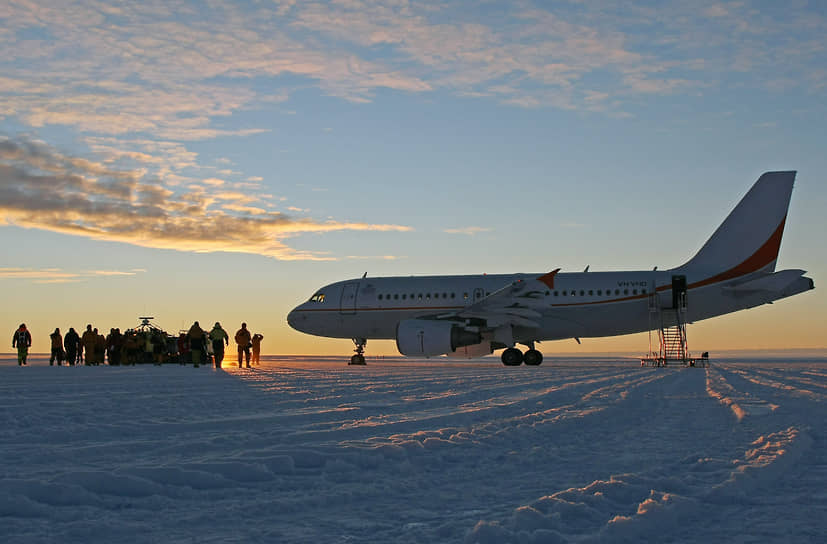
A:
425	337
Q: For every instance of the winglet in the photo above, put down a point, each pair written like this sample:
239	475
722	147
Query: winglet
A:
548	279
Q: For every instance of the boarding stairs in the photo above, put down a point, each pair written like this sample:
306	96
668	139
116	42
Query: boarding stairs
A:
670	324
673	344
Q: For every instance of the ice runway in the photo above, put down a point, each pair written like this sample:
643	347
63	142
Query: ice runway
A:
311	450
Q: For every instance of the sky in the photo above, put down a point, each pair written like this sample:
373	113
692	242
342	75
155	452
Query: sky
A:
219	161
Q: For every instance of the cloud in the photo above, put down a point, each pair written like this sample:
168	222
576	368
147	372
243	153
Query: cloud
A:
470	231
374	257
57	275
174	72
44	189
132	272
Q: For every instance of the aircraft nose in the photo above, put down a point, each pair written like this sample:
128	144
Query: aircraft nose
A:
293	319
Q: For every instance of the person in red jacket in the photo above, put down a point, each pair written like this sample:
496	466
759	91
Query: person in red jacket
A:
22	339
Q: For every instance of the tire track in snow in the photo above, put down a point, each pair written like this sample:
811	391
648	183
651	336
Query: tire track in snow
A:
757	377
742	404
630	507
666	497
818	385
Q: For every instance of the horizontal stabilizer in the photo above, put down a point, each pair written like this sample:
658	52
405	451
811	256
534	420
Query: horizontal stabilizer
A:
771	282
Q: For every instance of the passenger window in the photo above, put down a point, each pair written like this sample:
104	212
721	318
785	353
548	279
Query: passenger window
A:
380	297
395	297
634	291
600	292
591	292
582	292
625	291
556	293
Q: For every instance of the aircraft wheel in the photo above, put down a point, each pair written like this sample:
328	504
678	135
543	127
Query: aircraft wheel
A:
357	359
512	357
533	357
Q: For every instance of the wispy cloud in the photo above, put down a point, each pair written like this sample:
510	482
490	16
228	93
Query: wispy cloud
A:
174	71
132	272
42	188
57	275
375	257
470	231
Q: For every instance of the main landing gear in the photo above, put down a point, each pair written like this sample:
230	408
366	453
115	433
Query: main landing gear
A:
515	357
359	357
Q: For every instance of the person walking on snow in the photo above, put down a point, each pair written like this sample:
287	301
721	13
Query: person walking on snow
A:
243	338
219	339
196	337
57	348
256	341
88	340
70	345
22	339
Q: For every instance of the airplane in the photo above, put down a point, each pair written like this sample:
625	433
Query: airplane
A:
474	315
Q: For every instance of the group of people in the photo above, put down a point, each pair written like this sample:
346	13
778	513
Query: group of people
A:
68	347
201	344
141	346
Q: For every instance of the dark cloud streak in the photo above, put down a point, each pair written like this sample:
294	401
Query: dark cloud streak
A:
42	188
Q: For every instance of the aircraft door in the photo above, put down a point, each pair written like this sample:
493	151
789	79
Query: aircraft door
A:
479	294
679	292
348	301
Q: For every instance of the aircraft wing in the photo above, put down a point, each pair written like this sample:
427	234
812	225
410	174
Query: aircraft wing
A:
517	303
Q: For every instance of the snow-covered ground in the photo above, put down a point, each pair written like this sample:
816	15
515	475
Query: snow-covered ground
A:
311	450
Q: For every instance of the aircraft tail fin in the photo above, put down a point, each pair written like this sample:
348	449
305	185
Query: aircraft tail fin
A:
749	239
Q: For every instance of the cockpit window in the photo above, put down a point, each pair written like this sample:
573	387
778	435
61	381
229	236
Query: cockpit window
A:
318	297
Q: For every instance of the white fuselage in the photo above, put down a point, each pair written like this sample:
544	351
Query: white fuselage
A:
588	304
